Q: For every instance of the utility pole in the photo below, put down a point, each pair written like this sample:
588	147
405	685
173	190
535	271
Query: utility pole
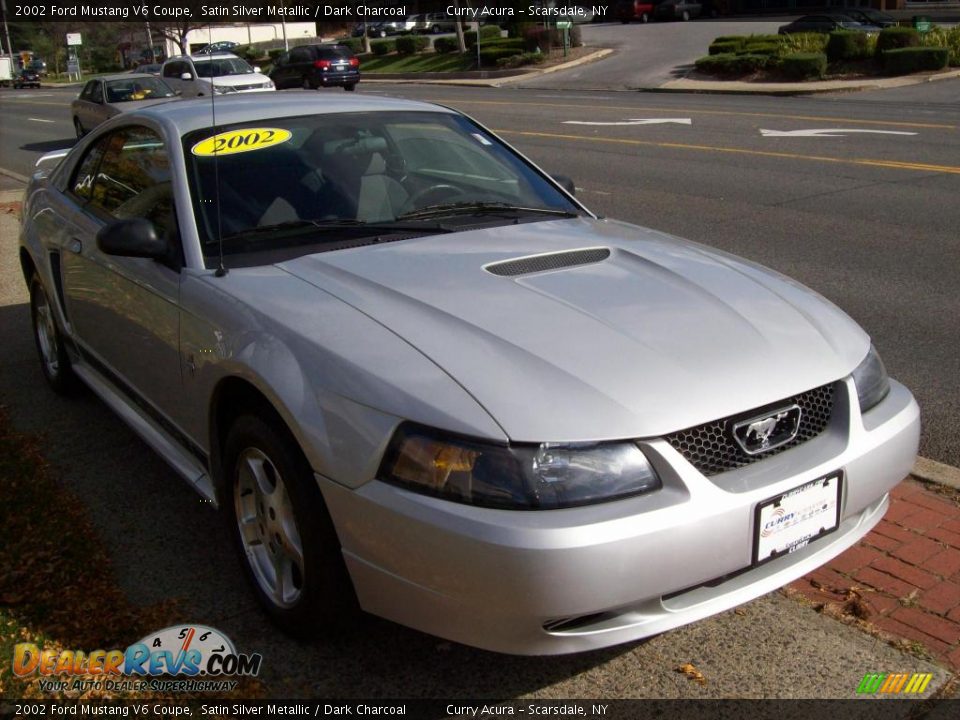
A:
153	53
6	30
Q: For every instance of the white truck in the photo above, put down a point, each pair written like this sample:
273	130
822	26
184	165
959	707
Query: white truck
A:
6	71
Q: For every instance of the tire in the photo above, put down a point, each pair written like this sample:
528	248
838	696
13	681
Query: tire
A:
78	128
624	22
283	531
308	84
351	87
54	361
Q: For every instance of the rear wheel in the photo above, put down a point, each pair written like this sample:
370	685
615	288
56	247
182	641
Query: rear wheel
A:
282	529
307	84
54	361
351	87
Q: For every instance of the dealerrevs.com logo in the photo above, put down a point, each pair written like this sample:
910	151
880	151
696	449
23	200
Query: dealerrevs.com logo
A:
894	683
201	658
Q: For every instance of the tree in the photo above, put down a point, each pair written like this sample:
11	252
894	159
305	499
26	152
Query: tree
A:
177	32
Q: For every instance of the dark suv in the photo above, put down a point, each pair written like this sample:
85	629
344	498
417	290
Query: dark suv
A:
313	66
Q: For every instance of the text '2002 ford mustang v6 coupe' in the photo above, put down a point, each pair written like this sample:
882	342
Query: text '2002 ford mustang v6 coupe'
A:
413	371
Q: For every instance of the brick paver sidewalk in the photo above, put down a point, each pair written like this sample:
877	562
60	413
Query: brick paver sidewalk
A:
904	577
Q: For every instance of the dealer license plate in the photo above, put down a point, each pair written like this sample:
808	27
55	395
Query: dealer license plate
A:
790	521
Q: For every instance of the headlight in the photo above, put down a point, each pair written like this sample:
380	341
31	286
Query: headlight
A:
871	380
527	477
223	89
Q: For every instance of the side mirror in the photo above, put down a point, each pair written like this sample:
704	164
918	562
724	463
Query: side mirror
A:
186	76
178	93
566	183
132	237
256	68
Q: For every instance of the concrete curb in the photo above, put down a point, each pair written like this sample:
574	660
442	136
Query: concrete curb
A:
936	472
735	87
412	78
14	175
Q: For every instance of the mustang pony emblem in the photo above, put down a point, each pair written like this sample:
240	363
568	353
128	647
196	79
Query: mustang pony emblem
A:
767	432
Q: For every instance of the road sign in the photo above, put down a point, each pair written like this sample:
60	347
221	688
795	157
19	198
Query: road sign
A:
564	24
74	39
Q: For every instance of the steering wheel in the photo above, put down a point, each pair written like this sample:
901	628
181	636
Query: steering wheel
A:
432	195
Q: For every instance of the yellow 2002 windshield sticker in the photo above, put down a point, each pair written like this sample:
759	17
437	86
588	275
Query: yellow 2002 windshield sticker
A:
238	141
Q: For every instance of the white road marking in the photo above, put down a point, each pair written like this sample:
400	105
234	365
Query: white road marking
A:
633	121
41	120
828	132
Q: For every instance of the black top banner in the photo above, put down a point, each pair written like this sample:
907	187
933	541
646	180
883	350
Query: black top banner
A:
211	11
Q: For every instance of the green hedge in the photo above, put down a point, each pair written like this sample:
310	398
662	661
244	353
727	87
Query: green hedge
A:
848	45
944	37
731	64
514	61
355	44
411	44
383	47
892	38
902	61
503	43
275	54
724	47
446	45
760	48
801	66
494	55
486	32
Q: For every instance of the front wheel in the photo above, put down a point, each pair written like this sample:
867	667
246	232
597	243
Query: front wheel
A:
54	361
282	529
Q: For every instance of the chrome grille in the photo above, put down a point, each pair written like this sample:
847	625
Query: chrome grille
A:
712	449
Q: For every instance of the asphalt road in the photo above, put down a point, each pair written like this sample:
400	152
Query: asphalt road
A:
869	220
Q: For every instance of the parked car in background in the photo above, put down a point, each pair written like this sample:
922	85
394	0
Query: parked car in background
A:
825	24
635	11
218	47
37	66
434	23
416	374
869	16
221	73
316	66
678	10
104	97
148	68
26	79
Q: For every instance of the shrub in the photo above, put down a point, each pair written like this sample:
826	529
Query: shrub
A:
486	32
730	38
895	37
514	61
354	43
275	54
760	48
803	43
801	66
446	45
411	44
382	47
545	39
502	43
944	37
490	57
901	61
731	64
848	45
724	47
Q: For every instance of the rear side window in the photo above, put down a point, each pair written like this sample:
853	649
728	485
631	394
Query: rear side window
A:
299	55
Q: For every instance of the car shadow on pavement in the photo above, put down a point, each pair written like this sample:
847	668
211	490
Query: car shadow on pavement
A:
166	544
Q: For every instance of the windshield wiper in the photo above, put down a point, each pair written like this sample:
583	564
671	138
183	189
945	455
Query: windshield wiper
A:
481	207
389	226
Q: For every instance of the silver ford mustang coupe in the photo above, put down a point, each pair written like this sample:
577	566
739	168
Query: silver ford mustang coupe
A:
415	374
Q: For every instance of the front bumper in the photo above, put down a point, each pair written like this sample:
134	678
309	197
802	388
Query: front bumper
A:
559	581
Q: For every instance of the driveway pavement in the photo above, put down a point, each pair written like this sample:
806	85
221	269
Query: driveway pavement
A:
165	543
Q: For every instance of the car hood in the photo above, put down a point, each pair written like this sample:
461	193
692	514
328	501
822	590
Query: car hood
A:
235	80
661	335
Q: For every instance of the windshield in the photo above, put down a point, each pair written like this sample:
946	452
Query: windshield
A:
139	88
218	67
334	179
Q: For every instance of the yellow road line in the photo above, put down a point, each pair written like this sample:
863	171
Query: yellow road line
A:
779	116
924	167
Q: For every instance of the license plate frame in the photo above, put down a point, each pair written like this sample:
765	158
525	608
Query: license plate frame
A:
774	535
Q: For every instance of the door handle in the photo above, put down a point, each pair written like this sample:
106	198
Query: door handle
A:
75	246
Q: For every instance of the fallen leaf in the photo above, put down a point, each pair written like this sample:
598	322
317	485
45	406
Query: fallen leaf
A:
692	673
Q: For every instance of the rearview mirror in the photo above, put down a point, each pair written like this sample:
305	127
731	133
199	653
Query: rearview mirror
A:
132	237
186	76
566	183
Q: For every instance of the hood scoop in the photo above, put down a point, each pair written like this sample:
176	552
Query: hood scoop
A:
551	261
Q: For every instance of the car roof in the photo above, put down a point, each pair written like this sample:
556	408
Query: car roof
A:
184	116
126	76
202	57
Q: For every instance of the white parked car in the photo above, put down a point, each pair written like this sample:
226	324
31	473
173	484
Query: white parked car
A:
221	73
